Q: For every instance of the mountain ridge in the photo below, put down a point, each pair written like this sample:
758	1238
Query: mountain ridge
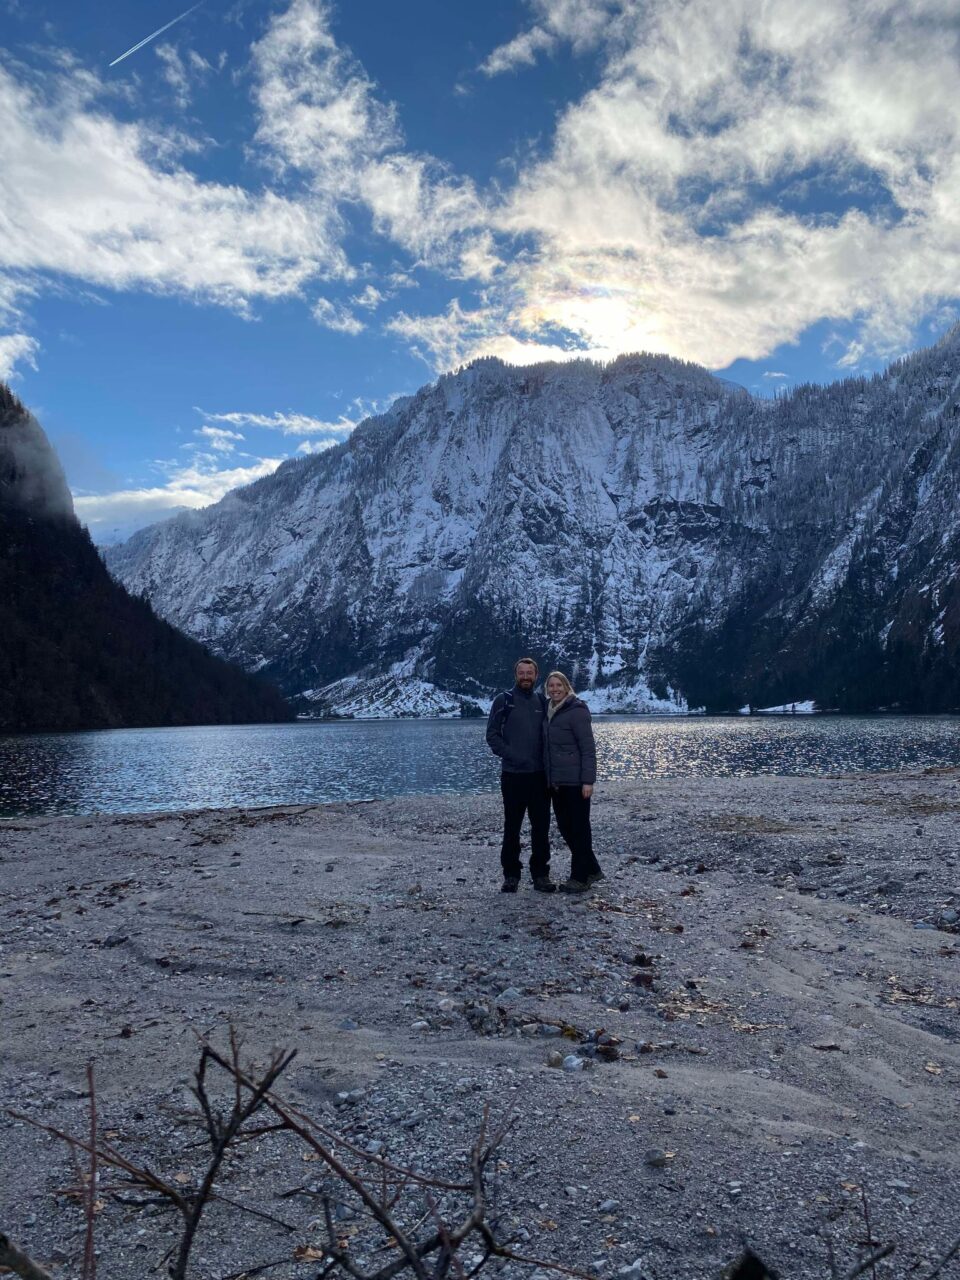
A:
620	520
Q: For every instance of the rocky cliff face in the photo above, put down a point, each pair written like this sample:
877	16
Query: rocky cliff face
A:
659	534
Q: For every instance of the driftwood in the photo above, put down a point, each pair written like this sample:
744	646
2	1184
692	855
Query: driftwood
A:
431	1247
18	1262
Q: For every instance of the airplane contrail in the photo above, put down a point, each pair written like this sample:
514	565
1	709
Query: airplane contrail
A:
153	35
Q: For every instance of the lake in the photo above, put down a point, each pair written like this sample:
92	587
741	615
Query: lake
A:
133	770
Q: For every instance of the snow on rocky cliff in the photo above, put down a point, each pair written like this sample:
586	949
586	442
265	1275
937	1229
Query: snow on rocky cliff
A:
616	521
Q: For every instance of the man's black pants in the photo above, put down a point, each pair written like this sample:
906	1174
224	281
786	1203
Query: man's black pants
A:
525	794
572	812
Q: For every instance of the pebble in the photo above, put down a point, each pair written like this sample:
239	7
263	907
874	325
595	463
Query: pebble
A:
949	916
609	1206
637	1270
510	993
656	1158
554	1058
348	1024
573	1063
420	1025
550	1029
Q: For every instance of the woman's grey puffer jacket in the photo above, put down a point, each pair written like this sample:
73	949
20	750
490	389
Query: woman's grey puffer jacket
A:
569	753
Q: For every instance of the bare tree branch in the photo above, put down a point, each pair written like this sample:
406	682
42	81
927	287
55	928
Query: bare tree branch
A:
89	1271
870	1261
19	1263
951	1252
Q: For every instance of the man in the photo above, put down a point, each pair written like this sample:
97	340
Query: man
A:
515	734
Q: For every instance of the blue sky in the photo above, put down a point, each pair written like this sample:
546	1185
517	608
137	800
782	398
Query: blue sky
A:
266	223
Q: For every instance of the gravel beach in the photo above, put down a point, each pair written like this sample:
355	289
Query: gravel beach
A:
755	1018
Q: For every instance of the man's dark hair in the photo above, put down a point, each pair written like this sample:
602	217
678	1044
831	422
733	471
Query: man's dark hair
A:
531	661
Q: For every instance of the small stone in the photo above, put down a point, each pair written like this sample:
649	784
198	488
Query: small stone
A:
656	1158
115	940
949	916
530	1029
637	1270
608	1206
573	1063
420	1025
554	1058
374	1147
550	1029
924	924
510	993
347	1024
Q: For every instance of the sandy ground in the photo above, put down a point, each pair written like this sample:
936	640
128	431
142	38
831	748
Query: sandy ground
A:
795	1038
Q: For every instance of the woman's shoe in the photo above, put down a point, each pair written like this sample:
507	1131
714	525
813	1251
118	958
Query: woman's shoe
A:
574	886
543	884
595	877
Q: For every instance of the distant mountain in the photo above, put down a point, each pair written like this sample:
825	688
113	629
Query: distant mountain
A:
667	539
76	651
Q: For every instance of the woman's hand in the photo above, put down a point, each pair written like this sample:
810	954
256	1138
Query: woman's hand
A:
586	791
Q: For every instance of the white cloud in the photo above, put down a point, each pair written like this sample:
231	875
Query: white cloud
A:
181	74
673	209
668	213
775	373
370	298
289	424
317	107
196	485
315	446
521	51
580	23
174	72
320	116
457	336
107	203
219	438
16	348
332	315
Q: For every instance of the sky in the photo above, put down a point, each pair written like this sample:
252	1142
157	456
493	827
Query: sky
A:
274	217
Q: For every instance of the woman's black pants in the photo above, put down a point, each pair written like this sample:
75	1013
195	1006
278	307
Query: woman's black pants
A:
572	812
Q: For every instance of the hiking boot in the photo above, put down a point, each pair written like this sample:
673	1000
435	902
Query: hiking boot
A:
510	884
543	884
574	886
595	877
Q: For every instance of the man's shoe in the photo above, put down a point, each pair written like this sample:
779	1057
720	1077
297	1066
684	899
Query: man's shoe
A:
543	884
574	886
510	884
595	877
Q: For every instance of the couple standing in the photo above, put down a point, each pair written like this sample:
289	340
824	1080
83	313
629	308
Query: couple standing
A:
546	748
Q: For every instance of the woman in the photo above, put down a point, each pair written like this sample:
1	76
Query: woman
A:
570	759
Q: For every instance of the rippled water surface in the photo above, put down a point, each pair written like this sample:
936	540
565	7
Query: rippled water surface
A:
132	770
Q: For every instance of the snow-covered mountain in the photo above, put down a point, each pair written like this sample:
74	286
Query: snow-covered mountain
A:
658	533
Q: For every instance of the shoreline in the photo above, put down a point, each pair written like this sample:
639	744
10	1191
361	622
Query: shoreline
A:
799	1036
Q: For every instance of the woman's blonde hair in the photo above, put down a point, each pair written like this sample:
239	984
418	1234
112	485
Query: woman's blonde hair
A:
558	675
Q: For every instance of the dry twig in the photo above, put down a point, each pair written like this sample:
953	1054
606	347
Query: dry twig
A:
19	1263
